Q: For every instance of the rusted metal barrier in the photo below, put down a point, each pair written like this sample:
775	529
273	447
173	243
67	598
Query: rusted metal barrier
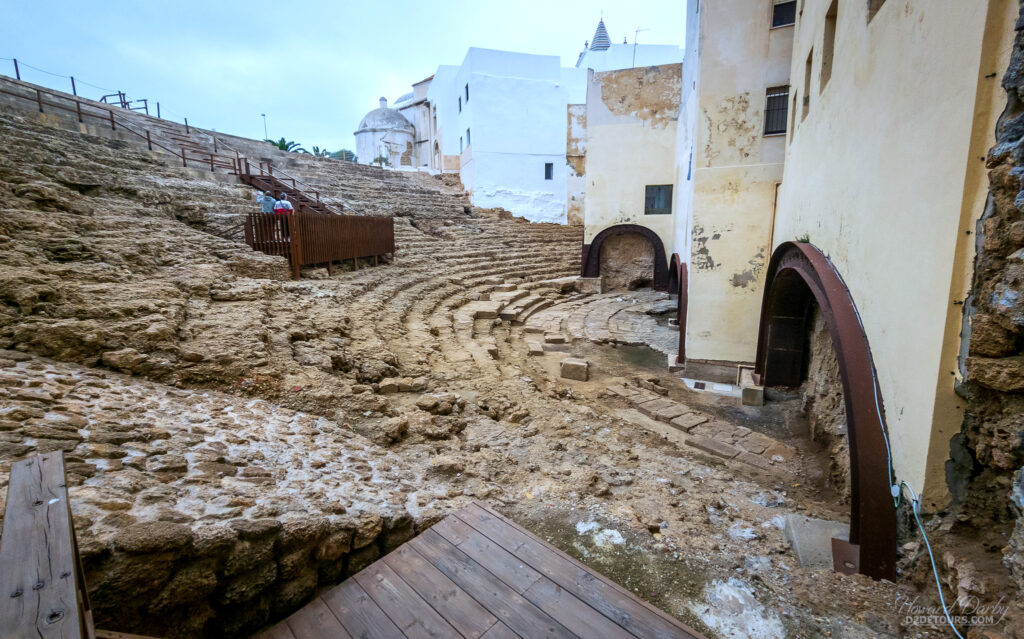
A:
306	238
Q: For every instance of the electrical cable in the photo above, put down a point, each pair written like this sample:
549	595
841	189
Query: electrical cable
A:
56	75
915	507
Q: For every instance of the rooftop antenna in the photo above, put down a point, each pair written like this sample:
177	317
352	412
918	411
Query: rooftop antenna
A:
634	44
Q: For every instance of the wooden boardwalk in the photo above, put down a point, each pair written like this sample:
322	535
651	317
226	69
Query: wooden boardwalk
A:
477	574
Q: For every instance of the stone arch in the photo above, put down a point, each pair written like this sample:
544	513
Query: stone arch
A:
678	284
591	262
799	274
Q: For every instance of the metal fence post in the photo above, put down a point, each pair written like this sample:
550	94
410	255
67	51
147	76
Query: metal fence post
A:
186	126
17	73
74	90
184	162
112	126
158	110
149	142
78	108
39	99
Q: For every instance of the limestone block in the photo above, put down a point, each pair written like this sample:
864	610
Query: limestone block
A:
577	369
689	420
652	407
669	413
535	348
554	338
589	285
811	539
713	446
753	396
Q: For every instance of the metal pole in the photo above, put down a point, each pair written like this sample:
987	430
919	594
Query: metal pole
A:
74	90
186	125
78	107
17	73
112	127
39	99
149	142
158	109
184	162
265	136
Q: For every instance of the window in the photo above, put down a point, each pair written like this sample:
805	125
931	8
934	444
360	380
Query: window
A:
658	200
460	144
460	104
807	84
784	14
467	93
775	110
549	171
829	45
469	140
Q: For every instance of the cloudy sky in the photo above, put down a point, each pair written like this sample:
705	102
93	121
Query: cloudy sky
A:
315	68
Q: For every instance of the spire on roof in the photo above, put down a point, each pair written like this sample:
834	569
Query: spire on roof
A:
601	41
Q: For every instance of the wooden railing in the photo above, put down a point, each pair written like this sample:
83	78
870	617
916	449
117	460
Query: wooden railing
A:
307	238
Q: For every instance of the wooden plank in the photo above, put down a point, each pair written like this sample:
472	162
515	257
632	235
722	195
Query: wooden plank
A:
451	602
565	608
503	602
314	620
453	529
357	611
37	556
611	600
501	631
277	631
399	601
490	555
571	612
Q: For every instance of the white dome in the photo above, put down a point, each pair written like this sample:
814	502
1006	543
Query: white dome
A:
385	119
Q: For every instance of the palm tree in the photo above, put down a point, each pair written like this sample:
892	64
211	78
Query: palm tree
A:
344	154
287	145
321	153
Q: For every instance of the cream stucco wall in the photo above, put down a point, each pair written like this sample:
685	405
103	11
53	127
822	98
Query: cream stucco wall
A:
576	162
631	120
735	172
885	177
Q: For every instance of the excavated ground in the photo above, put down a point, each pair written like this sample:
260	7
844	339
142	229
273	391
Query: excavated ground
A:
236	441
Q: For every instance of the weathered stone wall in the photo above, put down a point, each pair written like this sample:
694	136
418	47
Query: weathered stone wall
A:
627	262
985	472
824	406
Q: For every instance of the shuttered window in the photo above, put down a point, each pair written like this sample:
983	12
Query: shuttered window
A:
658	200
776	110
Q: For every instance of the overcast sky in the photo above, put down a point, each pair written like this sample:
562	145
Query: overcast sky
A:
315	68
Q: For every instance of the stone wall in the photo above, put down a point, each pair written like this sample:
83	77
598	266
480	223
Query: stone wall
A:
824	406
627	262
985	470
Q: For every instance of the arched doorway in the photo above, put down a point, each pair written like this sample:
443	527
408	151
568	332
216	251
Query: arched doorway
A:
626	240
799	275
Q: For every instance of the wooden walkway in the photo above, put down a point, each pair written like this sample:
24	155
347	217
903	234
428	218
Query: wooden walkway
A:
477	574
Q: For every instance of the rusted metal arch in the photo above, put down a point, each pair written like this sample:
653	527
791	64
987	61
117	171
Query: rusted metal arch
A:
798	274
591	259
678	283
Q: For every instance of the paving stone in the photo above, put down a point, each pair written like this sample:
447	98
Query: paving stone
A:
534	348
577	369
688	420
756	461
713	446
554	338
652	407
753	396
621	391
671	412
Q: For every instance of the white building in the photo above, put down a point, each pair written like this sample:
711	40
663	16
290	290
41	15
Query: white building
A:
500	119
385	133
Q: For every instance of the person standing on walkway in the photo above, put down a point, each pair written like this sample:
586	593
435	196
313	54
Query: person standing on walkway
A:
266	201
283	210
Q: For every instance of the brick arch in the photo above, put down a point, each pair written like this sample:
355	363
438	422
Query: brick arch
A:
591	262
798	275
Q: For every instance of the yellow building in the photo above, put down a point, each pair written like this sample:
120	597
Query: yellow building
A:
894	106
630	145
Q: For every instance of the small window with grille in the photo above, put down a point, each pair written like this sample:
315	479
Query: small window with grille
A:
549	170
776	110
658	200
784	14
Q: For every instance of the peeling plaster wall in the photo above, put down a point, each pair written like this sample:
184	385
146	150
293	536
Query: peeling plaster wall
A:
735	170
631	119
576	162
890	195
